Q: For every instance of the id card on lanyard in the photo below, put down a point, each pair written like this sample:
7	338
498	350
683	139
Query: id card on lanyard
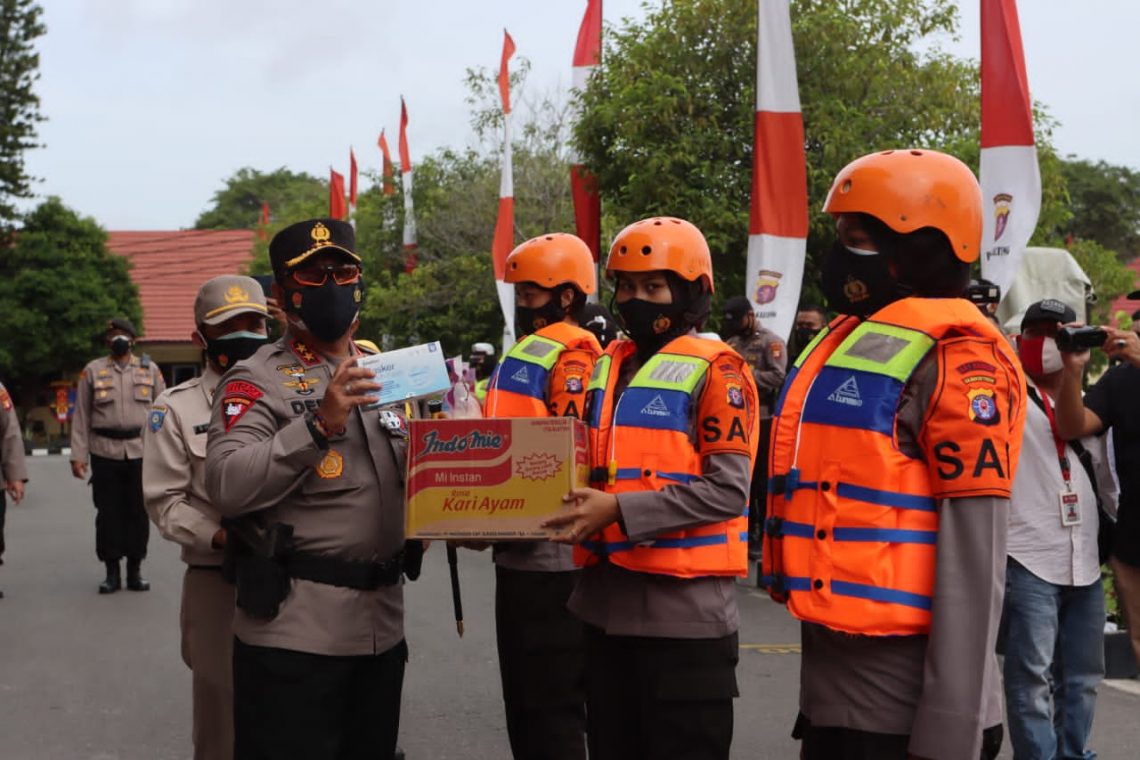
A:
1068	500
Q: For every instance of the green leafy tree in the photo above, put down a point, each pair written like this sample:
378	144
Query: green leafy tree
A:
20	25
668	121
1105	203
59	285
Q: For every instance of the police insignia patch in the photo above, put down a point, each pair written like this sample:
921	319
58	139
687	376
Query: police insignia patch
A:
157	417
983	406
332	466
735	396
5	398
305	354
574	384
237	398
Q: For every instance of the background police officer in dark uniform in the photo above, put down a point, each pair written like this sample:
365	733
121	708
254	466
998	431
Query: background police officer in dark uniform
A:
111	406
317	483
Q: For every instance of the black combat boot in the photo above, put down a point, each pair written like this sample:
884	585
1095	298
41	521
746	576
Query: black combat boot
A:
114	581
135	581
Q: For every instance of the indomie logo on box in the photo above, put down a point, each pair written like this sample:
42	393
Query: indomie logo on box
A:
467	440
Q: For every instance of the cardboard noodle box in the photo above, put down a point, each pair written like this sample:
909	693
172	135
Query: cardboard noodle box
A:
491	478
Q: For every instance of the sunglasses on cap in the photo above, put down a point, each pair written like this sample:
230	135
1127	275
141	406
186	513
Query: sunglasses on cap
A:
316	275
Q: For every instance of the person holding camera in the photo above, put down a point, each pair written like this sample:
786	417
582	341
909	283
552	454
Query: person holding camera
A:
1111	403
1053	617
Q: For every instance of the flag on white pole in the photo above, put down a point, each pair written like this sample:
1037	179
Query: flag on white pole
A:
583	187
406	178
1010	178
778	222
504	240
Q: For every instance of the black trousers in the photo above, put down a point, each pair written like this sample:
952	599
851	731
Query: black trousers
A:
290	705
121	525
834	743
541	662
3	512
659	699
758	492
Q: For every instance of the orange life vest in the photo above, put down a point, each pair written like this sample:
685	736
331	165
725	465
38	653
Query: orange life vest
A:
519	386
852	526
644	443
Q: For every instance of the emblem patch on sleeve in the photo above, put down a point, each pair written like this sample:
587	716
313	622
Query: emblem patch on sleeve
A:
983	406
157	417
237	398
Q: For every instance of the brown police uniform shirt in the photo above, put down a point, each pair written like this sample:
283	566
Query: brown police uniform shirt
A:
174	469
12	464
344	500
767	355
116	397
626	603
941	689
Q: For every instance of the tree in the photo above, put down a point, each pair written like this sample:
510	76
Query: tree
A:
1105	202
59	285
291	196
19	105
667	124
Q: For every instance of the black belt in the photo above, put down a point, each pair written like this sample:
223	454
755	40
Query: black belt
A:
116	434
363	576
214	568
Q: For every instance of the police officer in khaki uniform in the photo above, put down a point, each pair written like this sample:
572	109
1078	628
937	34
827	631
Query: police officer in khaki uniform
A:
111	407
315	481
767	355
230	314
12	465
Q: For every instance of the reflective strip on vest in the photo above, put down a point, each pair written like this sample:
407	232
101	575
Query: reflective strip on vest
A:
525	368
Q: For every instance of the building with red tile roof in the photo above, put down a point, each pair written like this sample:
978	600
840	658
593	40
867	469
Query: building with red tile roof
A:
168	267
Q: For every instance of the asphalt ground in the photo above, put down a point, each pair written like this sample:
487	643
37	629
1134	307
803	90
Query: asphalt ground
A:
89	677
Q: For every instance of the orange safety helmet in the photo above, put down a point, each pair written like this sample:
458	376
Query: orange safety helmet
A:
662	243
911	189
553	260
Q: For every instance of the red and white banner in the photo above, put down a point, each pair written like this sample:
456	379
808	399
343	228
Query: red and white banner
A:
1010	178
583	188
386	181
406	177
778	220
352	178
504	240
337	207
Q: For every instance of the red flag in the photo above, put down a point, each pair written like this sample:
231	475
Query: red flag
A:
351	178
337	208
504	73
263	221
405	160
583	187
389	188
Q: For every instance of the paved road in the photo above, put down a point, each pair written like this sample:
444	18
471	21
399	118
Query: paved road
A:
84	677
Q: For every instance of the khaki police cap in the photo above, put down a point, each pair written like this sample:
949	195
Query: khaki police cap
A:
227	296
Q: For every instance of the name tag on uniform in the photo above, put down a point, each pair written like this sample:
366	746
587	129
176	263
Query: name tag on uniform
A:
1070	508
202	429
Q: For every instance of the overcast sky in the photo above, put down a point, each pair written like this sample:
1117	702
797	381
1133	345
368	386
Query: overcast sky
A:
152	103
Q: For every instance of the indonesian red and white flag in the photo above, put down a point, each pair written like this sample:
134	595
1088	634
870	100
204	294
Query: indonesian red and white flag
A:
583	187
406	177
337	207
778	220
1010	178
351	177
386	181
504	240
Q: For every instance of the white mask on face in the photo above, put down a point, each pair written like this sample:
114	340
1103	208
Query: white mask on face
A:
1051	357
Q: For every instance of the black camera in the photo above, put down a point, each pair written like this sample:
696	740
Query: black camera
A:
1073	339
983	292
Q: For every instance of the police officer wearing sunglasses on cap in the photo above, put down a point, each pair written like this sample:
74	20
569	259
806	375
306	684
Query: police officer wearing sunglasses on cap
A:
315	482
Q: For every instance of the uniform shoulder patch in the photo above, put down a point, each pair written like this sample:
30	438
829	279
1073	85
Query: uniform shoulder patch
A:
157	417
237	398
5	398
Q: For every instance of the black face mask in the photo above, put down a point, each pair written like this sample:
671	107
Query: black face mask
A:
858	285
328	311
651	325
804	335
228	350
529	320
120	345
